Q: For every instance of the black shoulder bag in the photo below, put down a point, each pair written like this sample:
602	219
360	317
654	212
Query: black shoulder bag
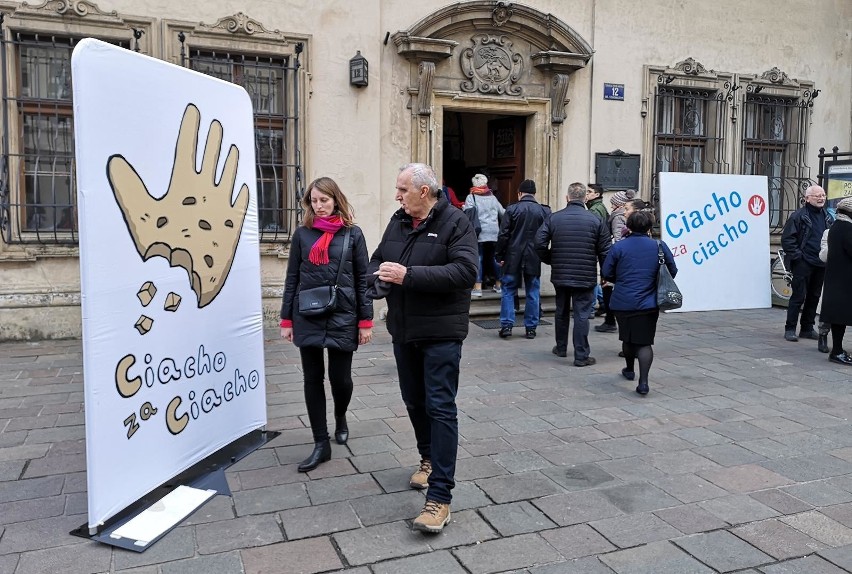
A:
668	295
323	299
473	215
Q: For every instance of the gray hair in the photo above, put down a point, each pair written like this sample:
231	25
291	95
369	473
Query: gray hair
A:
576	191
422	174
813	190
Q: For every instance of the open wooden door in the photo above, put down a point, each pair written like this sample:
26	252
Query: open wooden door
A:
506	149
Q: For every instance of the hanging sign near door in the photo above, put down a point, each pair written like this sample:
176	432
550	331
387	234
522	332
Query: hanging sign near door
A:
614	92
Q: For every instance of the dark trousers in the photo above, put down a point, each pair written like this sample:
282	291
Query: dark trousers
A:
428	382
807	288
607	297
582	301
340	377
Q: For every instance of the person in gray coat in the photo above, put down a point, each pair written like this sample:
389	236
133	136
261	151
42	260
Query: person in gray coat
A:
574	241
490	210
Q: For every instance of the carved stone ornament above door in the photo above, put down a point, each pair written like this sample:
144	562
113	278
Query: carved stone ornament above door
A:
491	66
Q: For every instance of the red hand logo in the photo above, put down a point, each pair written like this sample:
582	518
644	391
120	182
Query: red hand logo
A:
756	205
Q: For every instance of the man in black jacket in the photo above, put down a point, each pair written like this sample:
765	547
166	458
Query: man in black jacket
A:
426	265
519	260
800	241
574	241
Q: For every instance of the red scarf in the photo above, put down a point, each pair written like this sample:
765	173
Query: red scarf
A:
329	226
480	190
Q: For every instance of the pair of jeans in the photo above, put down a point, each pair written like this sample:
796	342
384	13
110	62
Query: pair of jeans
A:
487	262
340	377
428	382
581	301
807	288
532	287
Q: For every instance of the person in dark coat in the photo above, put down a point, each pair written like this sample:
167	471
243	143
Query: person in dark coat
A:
426	265
800	241
519	261
574	241
836	309
632	265
316	253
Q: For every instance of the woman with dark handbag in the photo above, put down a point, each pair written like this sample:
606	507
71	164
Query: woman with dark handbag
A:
325	307
633	265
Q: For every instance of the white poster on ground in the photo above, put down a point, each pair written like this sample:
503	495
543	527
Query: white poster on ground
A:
717	227
170	270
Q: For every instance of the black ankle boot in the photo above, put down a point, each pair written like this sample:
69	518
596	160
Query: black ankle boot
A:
341	433
322	453
822	343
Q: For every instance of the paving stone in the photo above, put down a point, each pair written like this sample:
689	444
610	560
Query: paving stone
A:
11	470
629	468
576	507
176	545
270	499
388	507
680	462
371	445
382	542
807	468
341	488
573	453
638	497
654	558
701	436
372	462
723	551
31	489
218	508
691	518
465	527
85	557
842	513
729	454
315	520
504	554
467	495
689	487
300	557
590	565
777	539
522	486
243	532
745	478
225	563
780	501
840	556
441	562
622	447
478	467
635	529
579	477
819	493
808	565
516	518
738	509
38	534
9	562
521	461
32	509
577	541
820	527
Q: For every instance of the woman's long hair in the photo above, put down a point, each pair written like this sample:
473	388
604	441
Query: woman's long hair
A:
327	186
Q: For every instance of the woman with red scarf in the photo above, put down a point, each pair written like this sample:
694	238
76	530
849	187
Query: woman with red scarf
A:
316	253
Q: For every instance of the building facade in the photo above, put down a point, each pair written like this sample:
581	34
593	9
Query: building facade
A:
610	91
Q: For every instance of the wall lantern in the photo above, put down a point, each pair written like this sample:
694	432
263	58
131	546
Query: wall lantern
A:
358	70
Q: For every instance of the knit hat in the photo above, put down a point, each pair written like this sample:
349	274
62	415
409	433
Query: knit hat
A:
845	205
619	198
527	186
479	180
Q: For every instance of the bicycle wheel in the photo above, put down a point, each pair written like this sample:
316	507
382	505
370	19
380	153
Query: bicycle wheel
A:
780	280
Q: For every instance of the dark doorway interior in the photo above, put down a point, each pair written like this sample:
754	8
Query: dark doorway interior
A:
491	144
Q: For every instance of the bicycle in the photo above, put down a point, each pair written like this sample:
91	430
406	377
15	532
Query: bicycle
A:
781	279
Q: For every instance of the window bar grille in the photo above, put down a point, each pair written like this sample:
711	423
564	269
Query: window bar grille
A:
5	189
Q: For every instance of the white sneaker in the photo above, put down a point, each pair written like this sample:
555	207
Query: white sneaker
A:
476	293
497	290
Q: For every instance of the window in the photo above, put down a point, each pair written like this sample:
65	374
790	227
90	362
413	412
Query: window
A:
271	84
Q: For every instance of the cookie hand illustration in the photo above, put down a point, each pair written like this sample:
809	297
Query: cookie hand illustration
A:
194	225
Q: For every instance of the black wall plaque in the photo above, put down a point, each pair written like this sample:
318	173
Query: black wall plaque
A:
617	170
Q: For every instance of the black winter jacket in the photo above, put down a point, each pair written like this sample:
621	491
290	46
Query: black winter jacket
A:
573	241
796	232
442	256
517	232
338	330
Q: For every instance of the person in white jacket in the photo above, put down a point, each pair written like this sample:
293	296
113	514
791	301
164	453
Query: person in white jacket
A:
489	210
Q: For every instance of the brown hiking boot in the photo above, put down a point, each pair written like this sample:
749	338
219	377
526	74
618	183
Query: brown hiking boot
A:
434	516
420	479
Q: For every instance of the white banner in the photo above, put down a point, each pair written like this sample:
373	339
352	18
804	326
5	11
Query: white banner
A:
717	227
170	270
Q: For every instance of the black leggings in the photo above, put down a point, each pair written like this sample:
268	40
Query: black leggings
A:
837	333
644	353
607	297
340	377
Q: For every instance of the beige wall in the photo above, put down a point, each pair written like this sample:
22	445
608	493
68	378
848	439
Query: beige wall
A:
360	136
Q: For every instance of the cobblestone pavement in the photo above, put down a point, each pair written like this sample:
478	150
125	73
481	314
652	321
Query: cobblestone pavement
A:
739	460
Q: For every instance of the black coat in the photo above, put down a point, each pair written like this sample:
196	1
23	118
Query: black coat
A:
796	232
442	256
836	302
338	330
517	232
573	241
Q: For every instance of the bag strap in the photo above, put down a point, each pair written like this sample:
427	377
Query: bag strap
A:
660	257
342	255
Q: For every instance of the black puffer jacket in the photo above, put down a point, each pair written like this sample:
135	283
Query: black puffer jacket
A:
338	330
433	303
796	232
573	241
517	232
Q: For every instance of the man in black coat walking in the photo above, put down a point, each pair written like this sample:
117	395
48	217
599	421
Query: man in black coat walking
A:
518	259
426	265
574	241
